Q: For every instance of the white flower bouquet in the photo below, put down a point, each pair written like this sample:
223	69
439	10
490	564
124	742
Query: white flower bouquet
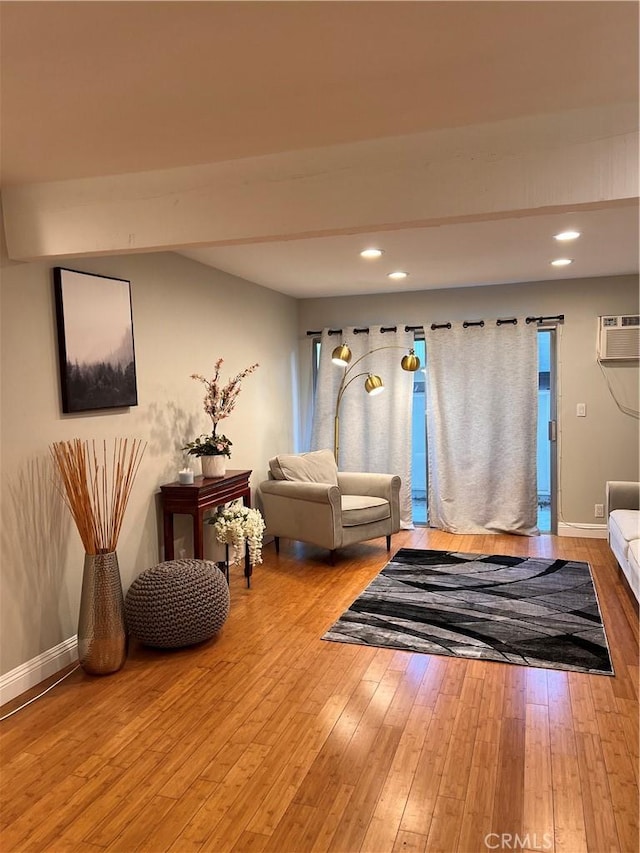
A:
237	525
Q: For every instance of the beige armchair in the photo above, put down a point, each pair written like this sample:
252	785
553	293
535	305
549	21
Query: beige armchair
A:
307	499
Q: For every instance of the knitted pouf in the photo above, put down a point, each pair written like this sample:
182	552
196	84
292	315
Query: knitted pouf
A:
177	603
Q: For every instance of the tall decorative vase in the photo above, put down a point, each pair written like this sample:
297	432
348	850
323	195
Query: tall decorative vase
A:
213	466
102	631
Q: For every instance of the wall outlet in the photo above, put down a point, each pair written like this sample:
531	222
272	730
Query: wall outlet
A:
598	510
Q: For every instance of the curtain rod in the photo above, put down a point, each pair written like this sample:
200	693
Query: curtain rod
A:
558	318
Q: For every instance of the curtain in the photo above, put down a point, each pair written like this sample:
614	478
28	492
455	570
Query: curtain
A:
375	431
481	428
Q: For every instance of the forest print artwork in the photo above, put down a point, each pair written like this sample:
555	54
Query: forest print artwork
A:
95	341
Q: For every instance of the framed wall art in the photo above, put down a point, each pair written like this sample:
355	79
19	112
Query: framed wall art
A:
95	341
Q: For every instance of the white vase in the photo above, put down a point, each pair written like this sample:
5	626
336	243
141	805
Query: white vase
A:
213	466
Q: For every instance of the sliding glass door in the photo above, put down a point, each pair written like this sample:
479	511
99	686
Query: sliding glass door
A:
546	454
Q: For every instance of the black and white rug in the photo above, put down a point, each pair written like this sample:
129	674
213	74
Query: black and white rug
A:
521	610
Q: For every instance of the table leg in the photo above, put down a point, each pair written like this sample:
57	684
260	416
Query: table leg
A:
168	535
198	535
226	561
247	567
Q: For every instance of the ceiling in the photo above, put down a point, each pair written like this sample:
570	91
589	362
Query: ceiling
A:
93	89
476	253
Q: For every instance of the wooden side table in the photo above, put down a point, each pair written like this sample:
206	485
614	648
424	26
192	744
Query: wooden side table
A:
194	500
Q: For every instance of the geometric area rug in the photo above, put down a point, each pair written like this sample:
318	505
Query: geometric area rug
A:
519	610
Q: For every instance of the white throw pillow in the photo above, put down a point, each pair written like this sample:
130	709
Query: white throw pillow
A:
318	466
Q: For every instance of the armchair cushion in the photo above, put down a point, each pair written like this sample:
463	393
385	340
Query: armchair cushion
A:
319	466
358	509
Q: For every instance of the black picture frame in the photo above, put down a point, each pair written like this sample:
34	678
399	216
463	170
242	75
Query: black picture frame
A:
95	341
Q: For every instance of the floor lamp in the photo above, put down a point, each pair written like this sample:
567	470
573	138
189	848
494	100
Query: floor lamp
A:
373	384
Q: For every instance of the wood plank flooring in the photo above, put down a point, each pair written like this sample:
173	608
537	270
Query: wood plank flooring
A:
270	739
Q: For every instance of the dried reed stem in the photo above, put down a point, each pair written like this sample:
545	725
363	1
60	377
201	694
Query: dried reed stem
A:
96	487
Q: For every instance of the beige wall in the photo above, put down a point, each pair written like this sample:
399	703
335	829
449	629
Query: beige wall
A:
604	445
185	316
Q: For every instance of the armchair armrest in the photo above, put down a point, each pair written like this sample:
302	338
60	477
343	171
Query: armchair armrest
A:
376	485
385	486
302	491
309	512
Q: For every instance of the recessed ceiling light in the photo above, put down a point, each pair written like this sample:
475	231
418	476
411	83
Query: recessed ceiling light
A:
398	274
561	262
371	253
567	235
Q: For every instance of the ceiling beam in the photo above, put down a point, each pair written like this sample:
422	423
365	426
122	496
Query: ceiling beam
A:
517	167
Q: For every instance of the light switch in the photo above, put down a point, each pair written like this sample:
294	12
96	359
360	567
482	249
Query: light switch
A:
581	410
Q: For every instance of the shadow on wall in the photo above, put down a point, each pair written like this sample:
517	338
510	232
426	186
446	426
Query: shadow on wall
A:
35	533
170	428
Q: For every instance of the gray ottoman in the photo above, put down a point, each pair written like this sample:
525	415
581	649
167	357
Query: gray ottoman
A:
177	603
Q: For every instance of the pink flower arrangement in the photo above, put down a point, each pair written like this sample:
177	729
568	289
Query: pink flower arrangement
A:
219	402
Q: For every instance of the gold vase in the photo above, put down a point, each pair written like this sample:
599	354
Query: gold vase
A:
102	631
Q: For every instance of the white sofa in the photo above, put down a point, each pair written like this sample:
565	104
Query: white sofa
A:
623	525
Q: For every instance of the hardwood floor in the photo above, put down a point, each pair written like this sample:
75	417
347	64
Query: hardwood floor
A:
270	739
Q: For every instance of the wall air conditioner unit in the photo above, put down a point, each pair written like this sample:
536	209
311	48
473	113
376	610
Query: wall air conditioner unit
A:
619	338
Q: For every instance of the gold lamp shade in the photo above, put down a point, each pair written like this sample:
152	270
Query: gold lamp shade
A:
373	385
410	362
341	355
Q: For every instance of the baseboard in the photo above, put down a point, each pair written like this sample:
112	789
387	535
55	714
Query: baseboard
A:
587	531
31	673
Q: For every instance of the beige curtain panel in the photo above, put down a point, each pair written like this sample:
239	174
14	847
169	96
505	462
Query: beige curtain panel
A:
482	410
